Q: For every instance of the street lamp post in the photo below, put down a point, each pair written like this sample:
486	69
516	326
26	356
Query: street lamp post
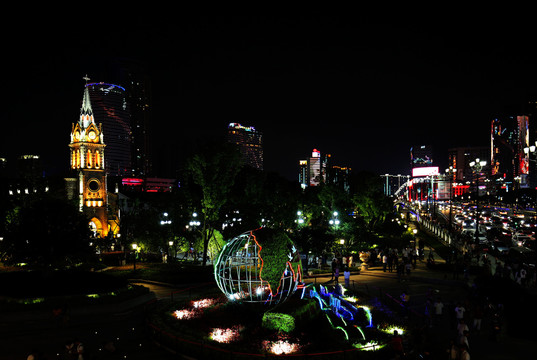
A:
170	245
477	166
334	221
166	221
450	172
135	248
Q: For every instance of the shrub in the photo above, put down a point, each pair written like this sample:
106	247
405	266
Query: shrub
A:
278	322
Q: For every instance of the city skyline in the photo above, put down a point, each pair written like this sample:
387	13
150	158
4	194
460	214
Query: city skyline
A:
363	91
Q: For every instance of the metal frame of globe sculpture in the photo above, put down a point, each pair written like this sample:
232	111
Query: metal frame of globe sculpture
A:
239	267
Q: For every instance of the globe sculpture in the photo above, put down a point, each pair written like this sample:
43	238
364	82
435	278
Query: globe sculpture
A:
259	266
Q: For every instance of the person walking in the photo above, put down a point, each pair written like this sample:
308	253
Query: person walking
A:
462	327
390	261
334	266
459	312
384	261
347	276
478	316
438	309
397	344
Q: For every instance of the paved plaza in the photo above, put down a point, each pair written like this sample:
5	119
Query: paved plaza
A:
125	328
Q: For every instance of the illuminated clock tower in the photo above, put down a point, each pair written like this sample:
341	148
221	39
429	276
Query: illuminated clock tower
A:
87	160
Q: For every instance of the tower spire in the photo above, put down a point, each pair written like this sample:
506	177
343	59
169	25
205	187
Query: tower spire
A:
86	112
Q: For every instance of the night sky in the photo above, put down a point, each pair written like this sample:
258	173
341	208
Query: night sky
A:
362	88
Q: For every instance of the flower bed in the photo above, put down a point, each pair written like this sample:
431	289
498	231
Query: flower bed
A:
299	325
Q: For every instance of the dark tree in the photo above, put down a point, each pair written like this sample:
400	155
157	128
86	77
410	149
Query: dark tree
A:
211	174
45	231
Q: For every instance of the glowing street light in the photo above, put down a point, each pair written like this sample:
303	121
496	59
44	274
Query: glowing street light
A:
300	219
194	222
135	248
334	221
477	166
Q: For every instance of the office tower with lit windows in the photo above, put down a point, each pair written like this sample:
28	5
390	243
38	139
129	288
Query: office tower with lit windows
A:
509	162
303	173
318	169
315	168
250	143
110	108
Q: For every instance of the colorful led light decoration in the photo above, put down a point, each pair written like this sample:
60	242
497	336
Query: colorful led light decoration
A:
258	266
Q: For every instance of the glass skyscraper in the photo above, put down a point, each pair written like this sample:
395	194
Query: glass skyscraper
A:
110	108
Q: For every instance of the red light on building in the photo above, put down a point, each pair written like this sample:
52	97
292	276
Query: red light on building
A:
132	181
461	189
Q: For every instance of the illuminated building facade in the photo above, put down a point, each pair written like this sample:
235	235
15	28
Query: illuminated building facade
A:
423	170
150	185
250	143
509	162
110	108
87	160
317	170
303	173
459	160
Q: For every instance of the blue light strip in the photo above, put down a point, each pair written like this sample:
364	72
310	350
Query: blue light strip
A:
102	83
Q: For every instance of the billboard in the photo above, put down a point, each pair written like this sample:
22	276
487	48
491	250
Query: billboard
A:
425	171
443	190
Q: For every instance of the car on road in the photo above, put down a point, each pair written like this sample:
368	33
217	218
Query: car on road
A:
521	240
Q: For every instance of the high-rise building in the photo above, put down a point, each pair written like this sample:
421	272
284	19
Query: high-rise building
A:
133	77
303	173
110	108
250	143
509	162
317	169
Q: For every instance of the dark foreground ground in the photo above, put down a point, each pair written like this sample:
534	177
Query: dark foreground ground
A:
118	332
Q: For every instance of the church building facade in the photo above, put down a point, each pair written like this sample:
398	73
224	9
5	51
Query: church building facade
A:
87	161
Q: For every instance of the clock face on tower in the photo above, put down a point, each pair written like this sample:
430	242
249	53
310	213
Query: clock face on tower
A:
92	135
77	136
94	185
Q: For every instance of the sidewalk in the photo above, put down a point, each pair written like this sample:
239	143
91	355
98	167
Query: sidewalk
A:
423	284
